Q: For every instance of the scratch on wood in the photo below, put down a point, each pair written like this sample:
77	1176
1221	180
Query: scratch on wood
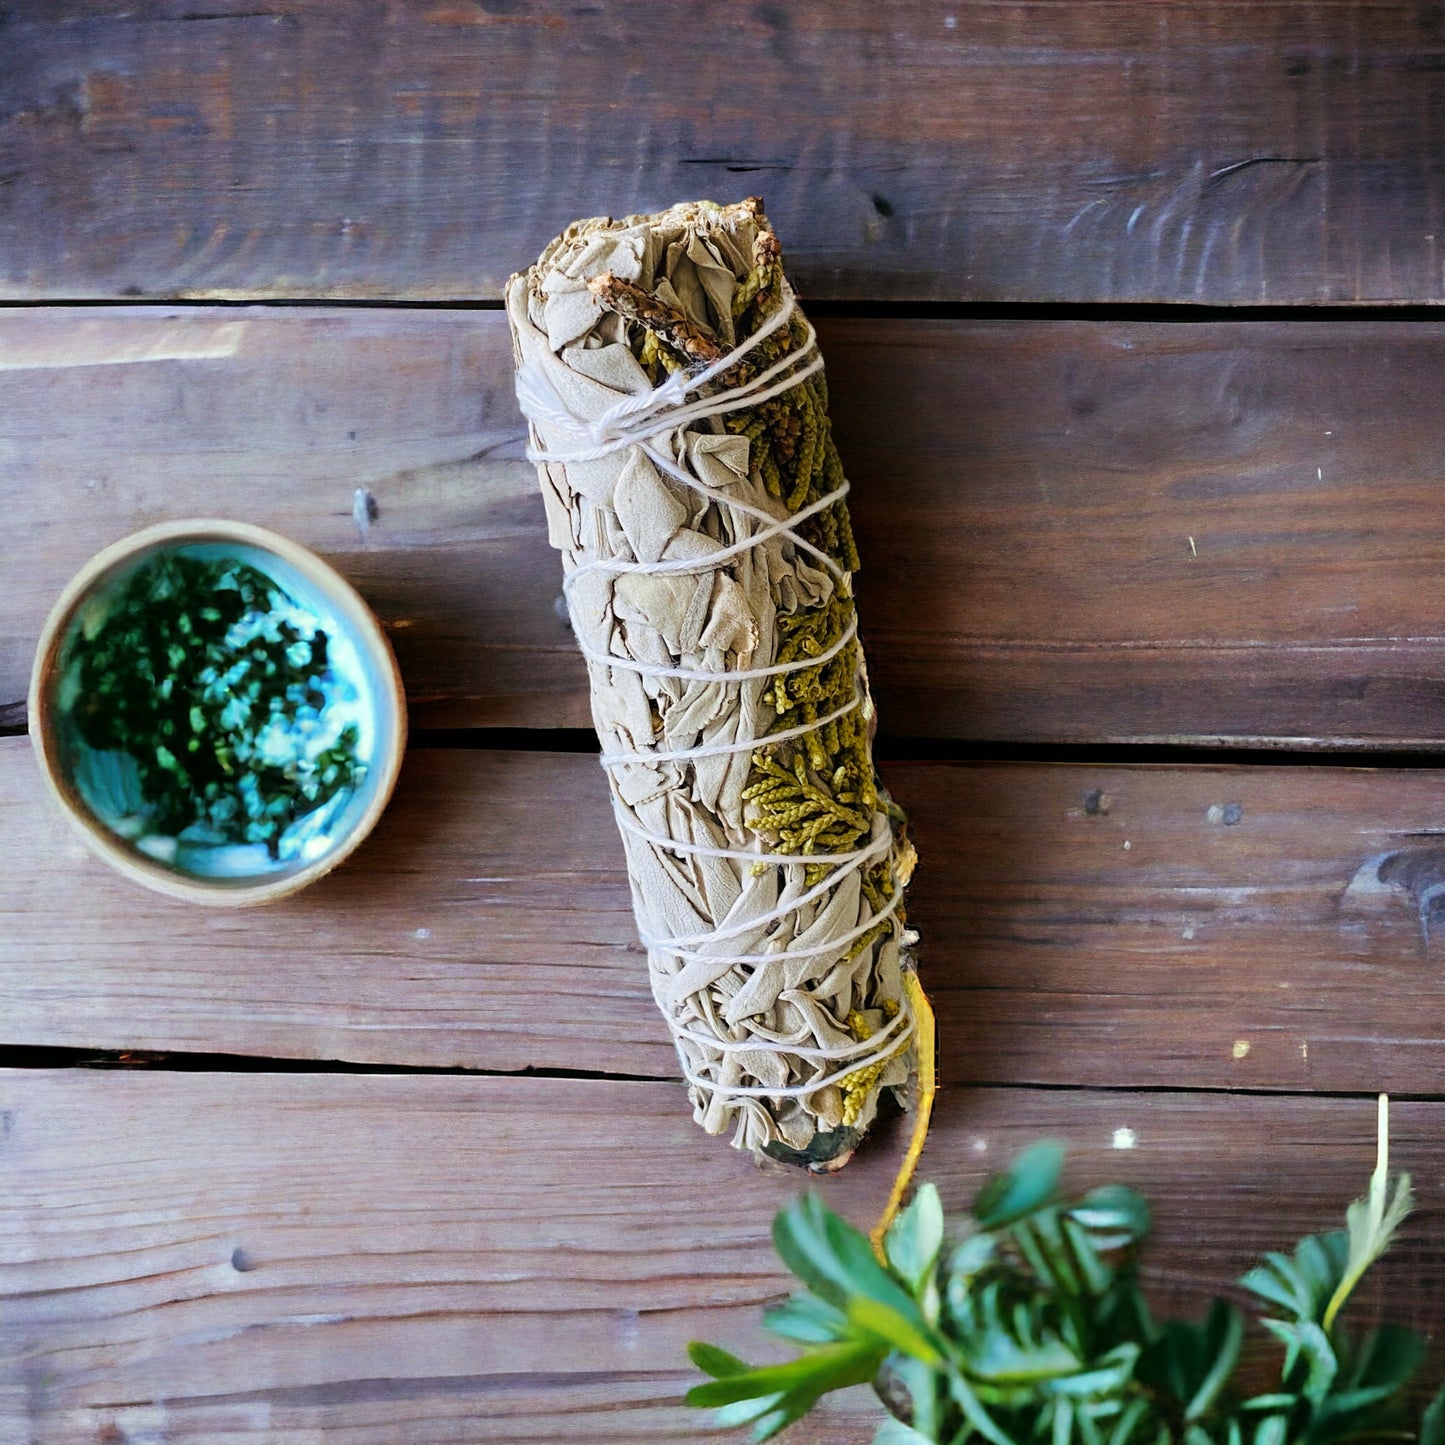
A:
1084	211
1224	172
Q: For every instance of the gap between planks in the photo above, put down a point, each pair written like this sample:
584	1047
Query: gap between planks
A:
39	1058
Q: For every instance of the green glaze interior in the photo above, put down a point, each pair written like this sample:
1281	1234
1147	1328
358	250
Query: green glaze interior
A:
217	713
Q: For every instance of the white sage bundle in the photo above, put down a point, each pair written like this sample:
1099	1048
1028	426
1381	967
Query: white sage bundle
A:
679	424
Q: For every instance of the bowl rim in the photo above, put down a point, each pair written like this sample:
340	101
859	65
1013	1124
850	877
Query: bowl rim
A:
391	704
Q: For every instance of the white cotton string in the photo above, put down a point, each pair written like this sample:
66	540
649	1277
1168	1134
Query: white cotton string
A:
719	750
843	1051
703	674
643	420
705	850
814	950
682	947
678	942
798	1091
542	402
709	561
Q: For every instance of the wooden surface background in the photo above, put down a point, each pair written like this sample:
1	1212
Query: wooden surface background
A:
1151	598
1033	150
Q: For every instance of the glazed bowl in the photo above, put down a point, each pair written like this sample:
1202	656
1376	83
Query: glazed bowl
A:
217	712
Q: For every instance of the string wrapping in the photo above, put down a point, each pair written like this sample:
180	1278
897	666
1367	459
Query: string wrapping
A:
677	414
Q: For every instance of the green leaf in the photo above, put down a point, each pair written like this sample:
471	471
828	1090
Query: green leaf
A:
1001	1360
1432	1422
1062	1430
1320	1265
1386	1361
1028	1184
1275	1282
922	1384
1302	1285
888	1325
974	1412
1365	1397
744	1412
1275	1401
835	1261
1107	1375
1272	1430
807	1320
1089	1432
1054	1260
716	1362
1037	1258
974	1255
799	1382
1129	1420
1096	1275
915	1238
1305	1340
1224	1331
1192	1362
766	1380
971	1257
895	1432
1115	1217
848	1366
1373	1220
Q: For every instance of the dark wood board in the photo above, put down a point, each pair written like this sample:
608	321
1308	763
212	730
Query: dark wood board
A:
1072	531
486	924
296	421
1112	532
388	1261
1211	927
1159	150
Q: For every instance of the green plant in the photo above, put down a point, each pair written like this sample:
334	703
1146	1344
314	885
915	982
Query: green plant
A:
1031	1328
212	681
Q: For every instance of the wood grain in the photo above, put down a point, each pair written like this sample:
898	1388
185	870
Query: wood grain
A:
1169	150
1071	531
1272	928
420	1261
1089	532
389	442
486	923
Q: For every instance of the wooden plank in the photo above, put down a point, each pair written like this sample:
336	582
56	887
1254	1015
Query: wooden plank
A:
1169	150
486	924
1070	531
433	1260
1271	928
1213	927
1085	532
115	421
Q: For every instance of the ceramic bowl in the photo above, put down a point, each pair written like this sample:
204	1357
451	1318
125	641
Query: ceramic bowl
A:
341	729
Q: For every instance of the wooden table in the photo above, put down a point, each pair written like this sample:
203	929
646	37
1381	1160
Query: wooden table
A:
1147	476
